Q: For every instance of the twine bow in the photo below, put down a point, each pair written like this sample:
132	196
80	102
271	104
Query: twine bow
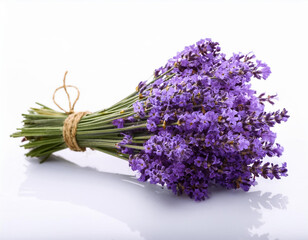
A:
71	122
71	110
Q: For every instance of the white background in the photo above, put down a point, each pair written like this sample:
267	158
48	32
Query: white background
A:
108	47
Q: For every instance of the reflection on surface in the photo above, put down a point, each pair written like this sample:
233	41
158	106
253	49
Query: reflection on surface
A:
155	212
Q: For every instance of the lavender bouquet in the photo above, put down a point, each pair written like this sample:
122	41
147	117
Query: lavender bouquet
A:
197	123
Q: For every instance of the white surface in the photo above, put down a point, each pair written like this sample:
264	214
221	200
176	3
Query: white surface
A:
107	49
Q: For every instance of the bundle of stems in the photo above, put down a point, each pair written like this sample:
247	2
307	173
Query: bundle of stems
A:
43	127
197	123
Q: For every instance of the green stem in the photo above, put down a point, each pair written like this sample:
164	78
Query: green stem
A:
43	127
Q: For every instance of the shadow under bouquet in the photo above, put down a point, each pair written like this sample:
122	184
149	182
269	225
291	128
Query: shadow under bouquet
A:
197	123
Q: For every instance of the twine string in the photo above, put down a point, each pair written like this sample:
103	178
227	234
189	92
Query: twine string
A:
71	122
71	107
70	130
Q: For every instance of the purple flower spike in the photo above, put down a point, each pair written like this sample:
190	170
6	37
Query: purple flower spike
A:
208	124
119	123
198	123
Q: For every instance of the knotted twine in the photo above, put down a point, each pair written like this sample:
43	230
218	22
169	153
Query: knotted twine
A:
70	123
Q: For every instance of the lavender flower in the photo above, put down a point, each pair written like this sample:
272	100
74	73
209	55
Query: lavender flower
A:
197	123
209	127
151	125
138	108
119	123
